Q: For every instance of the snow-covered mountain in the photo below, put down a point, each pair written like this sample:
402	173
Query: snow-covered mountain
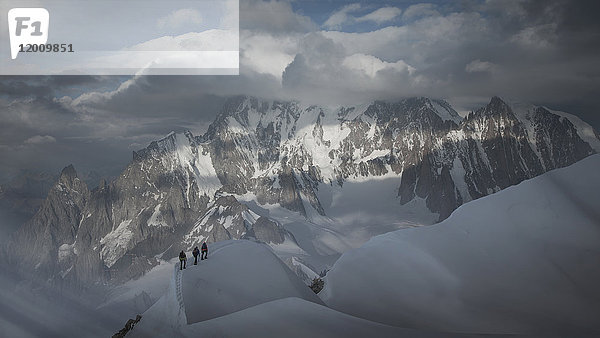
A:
302	178
521	261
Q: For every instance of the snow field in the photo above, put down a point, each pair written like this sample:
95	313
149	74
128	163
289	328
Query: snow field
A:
524	260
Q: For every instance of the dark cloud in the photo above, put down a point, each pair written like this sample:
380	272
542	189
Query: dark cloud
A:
46	85
40	134
273	16
99	130
543	52
18	87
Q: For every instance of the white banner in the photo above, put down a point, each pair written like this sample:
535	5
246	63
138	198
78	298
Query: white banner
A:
99	37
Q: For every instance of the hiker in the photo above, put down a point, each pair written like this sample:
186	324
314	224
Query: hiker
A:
204	251
196	252
182	259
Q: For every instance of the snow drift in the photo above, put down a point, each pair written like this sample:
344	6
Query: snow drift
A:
523	260
295	317
237	275
244	290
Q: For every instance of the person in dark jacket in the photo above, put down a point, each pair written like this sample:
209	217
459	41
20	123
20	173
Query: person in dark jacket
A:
182	259
196	252
204	251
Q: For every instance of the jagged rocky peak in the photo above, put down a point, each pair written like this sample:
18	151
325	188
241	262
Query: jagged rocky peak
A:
497	121
243	114
168	144
68	175
497	104
237	108
71	187
250	112
413	109
227	218
543	127
445	110
55	225
497	108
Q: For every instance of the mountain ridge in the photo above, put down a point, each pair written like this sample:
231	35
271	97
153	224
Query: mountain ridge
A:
287	154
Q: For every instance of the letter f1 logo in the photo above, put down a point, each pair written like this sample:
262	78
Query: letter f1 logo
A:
27	26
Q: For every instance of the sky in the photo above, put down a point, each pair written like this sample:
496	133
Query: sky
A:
322	52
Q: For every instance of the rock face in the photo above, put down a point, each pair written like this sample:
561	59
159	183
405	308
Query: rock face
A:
265	230
45	243
21	198
229	219
180	191
128	327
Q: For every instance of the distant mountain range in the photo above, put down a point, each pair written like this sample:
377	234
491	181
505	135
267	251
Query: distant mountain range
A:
185	189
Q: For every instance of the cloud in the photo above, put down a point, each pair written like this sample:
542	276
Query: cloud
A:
541	36
370	65
443	55
231	19
30	127
39	139
419	11
543	52
180	18
274	16
381	15
266	53
341	16
208	40
36	86
388	42
324	72
479	66
421	43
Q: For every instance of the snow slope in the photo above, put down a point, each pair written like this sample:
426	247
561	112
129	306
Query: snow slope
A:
286	317
295	317
137	295
237	275
523	260
244	290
